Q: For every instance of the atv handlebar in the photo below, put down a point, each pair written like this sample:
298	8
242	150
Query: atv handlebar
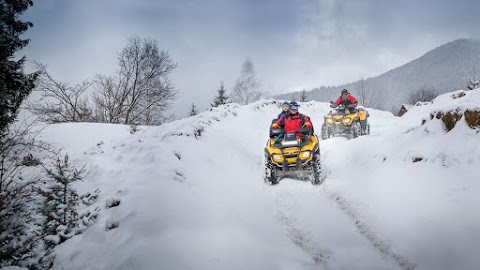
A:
277	131
304	130
350	106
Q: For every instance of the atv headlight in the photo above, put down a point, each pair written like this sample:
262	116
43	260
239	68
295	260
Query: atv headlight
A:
329	120
347	120
277	157
305	155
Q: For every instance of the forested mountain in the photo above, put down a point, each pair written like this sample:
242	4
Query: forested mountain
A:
446	68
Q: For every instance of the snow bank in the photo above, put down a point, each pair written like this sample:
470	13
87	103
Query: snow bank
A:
416	184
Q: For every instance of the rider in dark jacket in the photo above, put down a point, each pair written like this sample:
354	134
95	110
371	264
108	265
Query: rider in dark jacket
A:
285	109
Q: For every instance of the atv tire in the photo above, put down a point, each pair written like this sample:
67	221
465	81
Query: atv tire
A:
271	173
356	129
324	131
318	176
365	127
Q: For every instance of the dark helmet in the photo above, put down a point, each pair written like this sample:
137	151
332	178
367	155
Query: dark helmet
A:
286	103
294	105
344	91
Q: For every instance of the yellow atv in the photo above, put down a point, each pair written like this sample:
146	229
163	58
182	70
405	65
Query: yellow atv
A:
287	155
345	121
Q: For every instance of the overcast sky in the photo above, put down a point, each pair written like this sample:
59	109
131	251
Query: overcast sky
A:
293	44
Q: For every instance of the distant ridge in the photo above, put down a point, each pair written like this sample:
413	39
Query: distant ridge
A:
445	68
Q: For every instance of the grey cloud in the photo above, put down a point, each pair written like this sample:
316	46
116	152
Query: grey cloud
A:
293	43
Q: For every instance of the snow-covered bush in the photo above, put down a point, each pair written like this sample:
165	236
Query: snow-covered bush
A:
472	118
19	226
473	84
30	160
134	128
16	237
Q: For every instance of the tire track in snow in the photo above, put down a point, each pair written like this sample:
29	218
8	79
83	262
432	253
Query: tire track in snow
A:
300	236
380	245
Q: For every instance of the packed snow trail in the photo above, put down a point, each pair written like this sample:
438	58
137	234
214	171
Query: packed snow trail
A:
299	203
192	196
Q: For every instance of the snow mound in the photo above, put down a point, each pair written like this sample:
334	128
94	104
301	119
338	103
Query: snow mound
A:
450	108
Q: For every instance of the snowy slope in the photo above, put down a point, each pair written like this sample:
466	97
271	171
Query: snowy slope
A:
197	200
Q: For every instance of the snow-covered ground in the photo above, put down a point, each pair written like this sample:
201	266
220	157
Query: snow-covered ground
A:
192	194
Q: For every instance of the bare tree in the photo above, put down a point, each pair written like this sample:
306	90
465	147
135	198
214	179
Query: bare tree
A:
107	100
423	94
368	97
247	86
141	90
19	221
59	101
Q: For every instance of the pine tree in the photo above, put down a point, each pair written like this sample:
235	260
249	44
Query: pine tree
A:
221	99
15	86
61	202
303	97
17	237
193	110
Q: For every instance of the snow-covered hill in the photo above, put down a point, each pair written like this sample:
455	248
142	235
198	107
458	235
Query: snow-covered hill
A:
445	68
192	195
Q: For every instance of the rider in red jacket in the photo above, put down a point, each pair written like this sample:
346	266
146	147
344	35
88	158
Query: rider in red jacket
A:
293	121
346	99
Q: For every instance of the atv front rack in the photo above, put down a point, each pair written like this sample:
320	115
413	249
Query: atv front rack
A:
302	141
